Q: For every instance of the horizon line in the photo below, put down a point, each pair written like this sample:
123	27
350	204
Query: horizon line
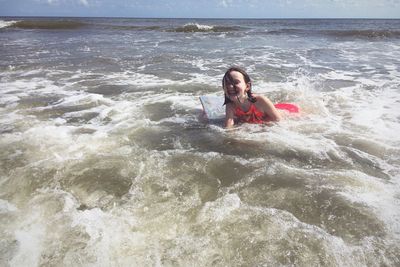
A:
214	18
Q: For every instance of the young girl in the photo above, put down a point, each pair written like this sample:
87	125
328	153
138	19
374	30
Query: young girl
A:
241	104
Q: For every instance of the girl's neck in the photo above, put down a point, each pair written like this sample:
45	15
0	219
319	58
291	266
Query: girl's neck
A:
244	104
242	99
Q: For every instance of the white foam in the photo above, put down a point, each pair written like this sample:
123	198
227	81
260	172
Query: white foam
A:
35	86
9	100
7	23
143	80
138	79
218	210
30	237
115	237
374	110
381	196
202	27
6	206
82	99
339	75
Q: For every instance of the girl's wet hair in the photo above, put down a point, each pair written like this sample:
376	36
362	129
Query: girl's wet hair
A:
228	79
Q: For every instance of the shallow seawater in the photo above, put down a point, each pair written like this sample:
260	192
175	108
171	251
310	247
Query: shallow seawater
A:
105	159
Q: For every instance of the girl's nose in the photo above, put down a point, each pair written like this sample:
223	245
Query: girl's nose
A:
231	90
230	86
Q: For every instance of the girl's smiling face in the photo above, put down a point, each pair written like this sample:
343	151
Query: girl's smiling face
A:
235	86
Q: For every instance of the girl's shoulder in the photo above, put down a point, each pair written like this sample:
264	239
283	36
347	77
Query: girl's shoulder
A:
263	103
261	98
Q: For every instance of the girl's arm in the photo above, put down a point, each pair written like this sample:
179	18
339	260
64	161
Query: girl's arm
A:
229	115
269	108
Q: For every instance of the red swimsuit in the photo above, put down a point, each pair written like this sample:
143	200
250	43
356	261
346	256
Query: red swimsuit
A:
253	115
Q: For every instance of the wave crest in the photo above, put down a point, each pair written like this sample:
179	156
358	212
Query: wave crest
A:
48	24
5	23
195	27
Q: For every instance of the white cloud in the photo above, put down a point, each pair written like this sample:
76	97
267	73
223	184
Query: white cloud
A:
226	3
52	2
64	2
84	2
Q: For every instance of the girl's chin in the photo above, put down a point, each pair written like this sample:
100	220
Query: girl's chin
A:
234	99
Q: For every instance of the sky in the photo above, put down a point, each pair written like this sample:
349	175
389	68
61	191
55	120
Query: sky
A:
204	8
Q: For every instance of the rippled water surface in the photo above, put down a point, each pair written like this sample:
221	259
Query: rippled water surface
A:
105	159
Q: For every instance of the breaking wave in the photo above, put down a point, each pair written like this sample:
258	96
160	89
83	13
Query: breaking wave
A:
48	24
194	27
71	24
359	33
191	27
5	24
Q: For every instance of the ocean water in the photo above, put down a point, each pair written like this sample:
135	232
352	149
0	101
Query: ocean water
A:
105	159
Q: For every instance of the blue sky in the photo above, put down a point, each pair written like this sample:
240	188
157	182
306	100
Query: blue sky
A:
205	8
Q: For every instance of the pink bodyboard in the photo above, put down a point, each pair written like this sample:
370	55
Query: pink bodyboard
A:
292	108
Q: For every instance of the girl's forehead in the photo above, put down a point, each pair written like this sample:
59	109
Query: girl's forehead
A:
236	75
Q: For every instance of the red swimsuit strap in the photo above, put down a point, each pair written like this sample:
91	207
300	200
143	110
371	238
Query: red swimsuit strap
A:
252	110
253	115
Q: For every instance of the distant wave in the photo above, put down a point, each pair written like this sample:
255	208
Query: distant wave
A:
130	27
194	27
70	24
362	34
47	24
285	31
66	24
367	34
